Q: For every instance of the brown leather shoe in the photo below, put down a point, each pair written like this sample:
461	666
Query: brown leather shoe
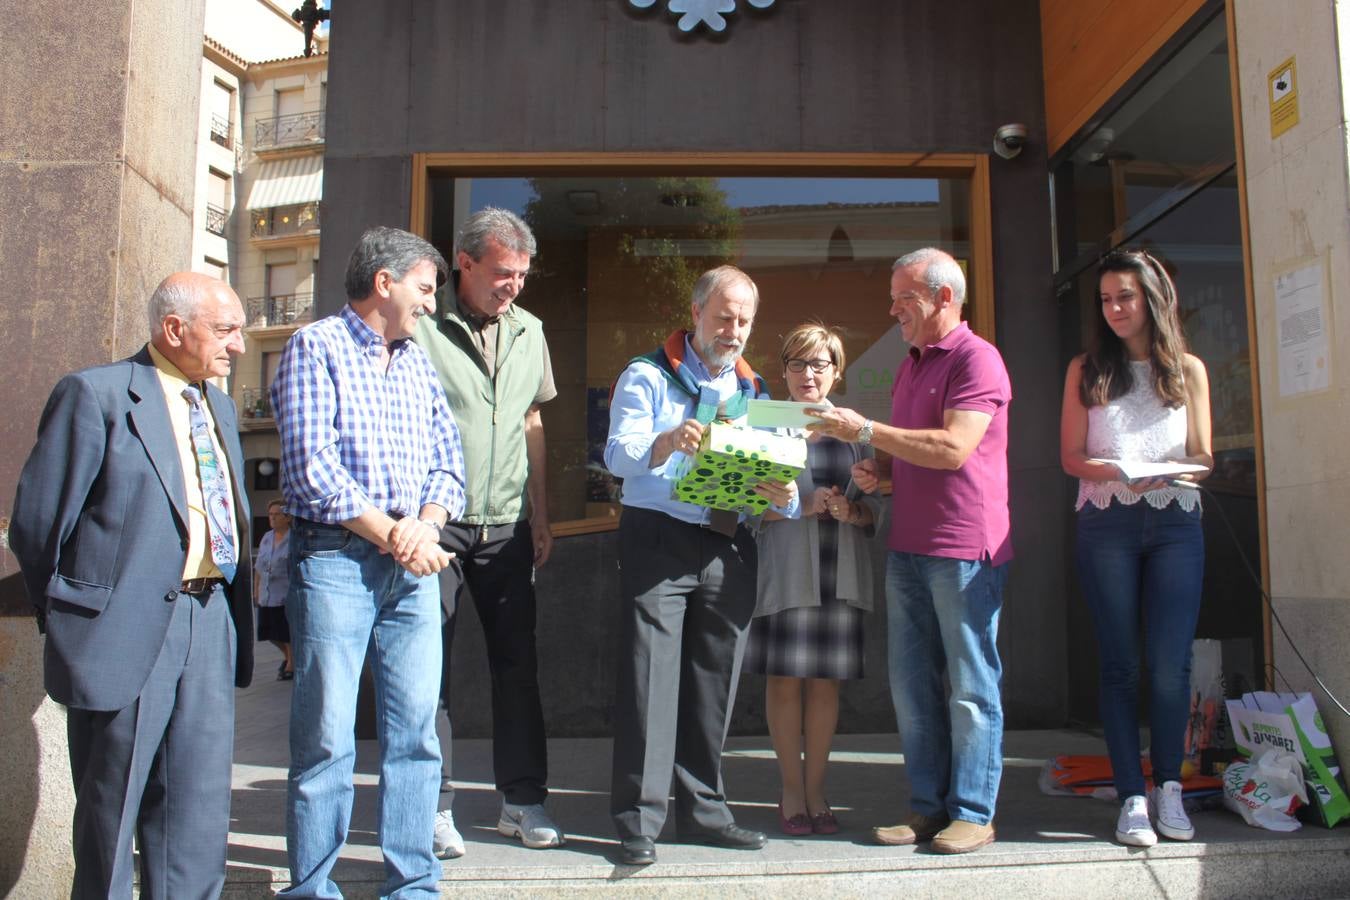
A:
918	828
963	837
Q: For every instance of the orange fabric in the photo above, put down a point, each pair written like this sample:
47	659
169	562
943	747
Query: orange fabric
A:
1083	774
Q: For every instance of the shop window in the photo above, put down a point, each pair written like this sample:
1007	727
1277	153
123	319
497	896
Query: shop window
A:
1170	136
618	256
1166	179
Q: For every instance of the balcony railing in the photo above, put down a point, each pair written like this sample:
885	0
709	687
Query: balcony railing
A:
220	130
216	219
283	220
282	309
283	131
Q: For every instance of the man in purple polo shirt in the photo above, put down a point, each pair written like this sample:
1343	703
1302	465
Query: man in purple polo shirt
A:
949	549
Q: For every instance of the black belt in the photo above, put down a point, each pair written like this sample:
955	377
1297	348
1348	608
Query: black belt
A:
199	586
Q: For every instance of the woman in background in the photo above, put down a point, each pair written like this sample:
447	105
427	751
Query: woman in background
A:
814	589
1138	396
271	581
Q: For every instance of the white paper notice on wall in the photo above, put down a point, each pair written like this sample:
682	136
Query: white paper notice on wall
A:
1301	316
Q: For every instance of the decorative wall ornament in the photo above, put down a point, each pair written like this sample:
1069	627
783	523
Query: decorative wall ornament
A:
693	13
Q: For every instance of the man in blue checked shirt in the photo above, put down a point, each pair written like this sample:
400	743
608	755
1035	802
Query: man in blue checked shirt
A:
686	577
371	470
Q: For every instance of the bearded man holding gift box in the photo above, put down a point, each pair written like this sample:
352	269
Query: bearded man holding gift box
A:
687	576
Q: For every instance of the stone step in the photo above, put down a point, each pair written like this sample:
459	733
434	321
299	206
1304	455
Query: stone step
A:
1312	867
1047	846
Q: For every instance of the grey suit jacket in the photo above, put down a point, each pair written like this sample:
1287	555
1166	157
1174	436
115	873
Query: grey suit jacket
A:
100	531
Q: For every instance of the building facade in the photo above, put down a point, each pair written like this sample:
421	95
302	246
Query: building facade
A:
811	143
256	218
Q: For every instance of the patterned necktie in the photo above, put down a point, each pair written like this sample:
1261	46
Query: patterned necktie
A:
215	491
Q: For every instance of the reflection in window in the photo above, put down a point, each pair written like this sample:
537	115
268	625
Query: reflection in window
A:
618	257
1202	243
1159	172
1173	129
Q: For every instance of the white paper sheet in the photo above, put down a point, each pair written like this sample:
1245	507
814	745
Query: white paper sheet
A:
1136	470
782	413
1300	313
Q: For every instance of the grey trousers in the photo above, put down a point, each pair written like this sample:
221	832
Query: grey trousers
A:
160	768
687	595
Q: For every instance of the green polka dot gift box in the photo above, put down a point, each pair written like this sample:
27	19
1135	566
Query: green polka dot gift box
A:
731	460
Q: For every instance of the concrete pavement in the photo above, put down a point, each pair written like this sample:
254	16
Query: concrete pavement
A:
1049	846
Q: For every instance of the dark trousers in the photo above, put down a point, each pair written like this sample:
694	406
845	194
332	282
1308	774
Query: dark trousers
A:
686	598
496	566
160	768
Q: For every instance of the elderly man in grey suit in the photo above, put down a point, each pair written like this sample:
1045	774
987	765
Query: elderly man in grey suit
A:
129	525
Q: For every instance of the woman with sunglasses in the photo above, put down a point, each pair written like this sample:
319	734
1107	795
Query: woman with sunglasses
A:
814	588
1138	396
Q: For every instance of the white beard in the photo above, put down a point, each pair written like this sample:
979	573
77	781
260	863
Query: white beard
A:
717	358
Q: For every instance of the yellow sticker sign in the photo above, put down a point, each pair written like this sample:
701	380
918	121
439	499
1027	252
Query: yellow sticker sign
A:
1283	97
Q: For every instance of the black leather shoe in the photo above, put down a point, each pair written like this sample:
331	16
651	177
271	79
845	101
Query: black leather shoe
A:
732	836
638	851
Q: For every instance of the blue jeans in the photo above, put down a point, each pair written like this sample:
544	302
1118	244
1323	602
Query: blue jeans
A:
346	596
942	616
1136	561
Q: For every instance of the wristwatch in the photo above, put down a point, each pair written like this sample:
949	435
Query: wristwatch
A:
430	524
865	433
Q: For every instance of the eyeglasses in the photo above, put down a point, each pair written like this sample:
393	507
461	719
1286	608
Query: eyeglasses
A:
799	365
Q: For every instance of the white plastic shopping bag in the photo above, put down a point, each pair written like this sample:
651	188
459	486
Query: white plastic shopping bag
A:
1267	791
1291	723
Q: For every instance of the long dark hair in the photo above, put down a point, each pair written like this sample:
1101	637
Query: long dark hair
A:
1106	369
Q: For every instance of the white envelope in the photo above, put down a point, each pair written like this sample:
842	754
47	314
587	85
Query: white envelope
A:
782	413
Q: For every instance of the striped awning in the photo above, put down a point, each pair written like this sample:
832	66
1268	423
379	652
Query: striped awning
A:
287	182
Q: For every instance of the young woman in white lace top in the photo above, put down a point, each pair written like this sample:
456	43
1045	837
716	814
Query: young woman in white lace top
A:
1138	396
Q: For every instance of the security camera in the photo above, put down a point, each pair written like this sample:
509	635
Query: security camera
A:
1010	139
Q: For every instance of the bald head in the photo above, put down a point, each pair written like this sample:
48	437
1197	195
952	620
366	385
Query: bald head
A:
197	322
178	295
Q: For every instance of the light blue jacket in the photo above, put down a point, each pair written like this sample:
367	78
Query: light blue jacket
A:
645	404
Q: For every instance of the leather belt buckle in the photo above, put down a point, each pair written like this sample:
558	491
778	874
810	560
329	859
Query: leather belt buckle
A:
199	586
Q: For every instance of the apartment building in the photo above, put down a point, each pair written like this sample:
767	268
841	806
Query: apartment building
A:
258	183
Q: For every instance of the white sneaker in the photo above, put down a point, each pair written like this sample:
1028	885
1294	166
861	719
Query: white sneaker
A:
448	843
1132	828
530	823
1168	813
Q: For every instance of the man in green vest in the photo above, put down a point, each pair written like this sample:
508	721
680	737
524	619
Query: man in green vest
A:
494	366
